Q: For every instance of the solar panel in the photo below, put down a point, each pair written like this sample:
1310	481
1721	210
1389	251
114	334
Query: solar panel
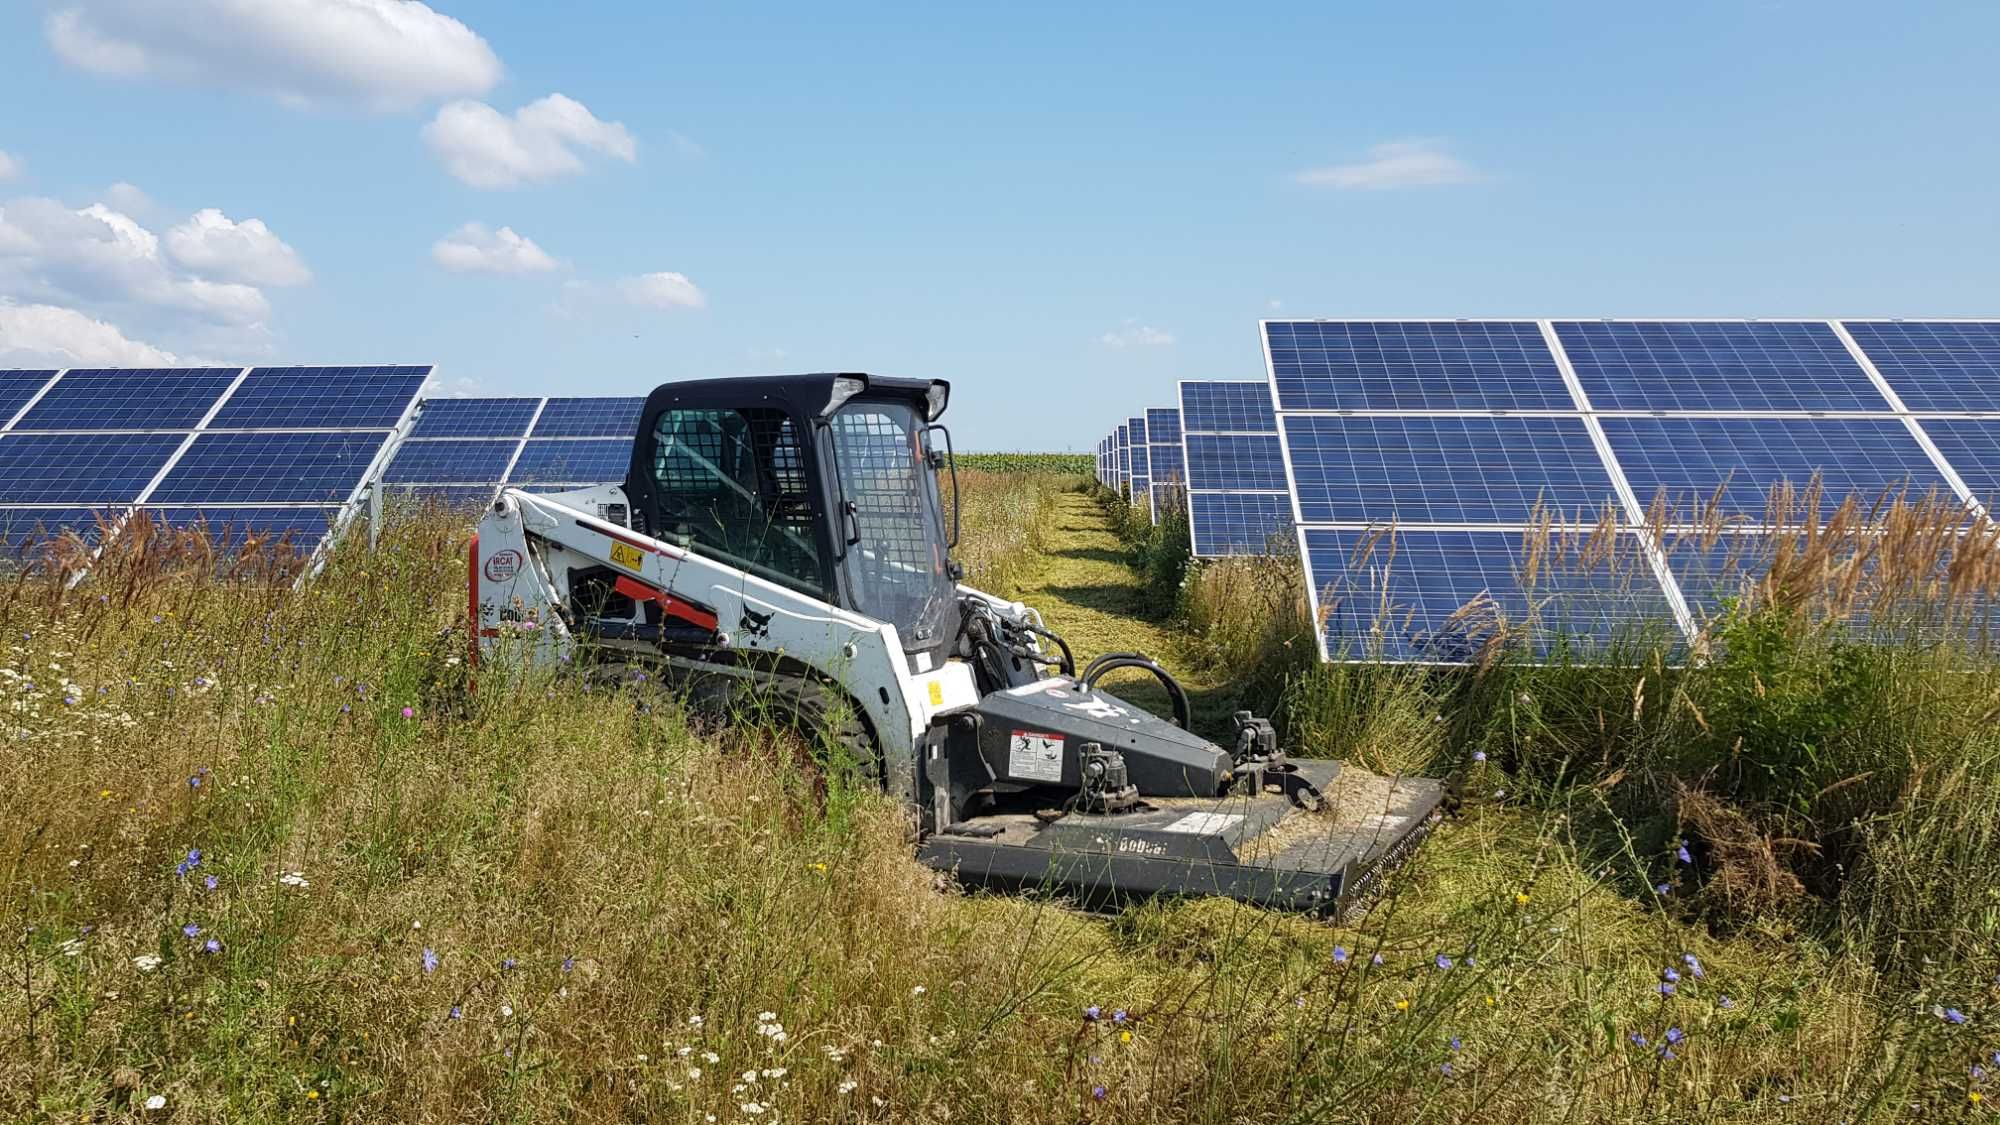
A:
25	528
1450	470
1972	447
1735	461
450	462
1239	523
475	417
269	468
80	469
1163	425
1716	365
572	461
16	388
1227	408
151	398
590	417
1166	464
1935	366
1414	365
297	527
326	398
1446	595
1236	463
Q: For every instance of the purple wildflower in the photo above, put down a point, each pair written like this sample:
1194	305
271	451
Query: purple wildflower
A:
1694	965
1675	1035
1667	1053
457	1012
1443	962
1091	1013
1376	960
1954	1016
1669	974
568	964
1663	890
1725	1003
1455	1044
211	882
430	960
1097	1092
1681	853
507	965
1445	1069
409	713
1666	988
212	945
1119	1016
1637	1039
191	930
1479	755
1340	955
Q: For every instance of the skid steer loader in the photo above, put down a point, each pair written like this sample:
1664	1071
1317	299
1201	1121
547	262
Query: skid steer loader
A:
782	541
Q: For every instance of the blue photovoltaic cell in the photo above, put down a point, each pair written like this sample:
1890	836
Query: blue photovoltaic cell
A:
321	398
1163	425
450	462
1163	463
1935	366
16	388
1971	446
1233	523
1714	570
590	417
24	528
80	468
1721	365
1135	427
129	399
1398	596
1414	365
1236	462
1687	460
475	417
1227	408
269	468
576	461
1445	470
299	528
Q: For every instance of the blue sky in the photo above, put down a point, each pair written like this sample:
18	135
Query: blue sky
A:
1061	210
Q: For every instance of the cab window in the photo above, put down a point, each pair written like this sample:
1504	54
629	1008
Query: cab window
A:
733	483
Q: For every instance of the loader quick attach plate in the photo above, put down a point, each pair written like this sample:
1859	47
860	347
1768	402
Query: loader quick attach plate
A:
1258	849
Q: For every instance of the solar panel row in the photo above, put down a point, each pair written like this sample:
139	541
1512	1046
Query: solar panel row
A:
1239	501
462	451
1702	418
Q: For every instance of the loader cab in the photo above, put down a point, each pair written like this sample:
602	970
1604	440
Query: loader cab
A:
826	484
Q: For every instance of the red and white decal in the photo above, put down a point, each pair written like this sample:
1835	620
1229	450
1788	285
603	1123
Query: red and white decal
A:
503	564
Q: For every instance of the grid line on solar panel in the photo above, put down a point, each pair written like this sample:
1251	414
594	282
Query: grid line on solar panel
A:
1758	366
1971	446
1166	465
1414	365
571	461
269	468
323	398
1466	470
475	417
129	399
1235	462
1227	407
1935	366
1687	462
1239	523
16	388
1163	425
80	468
1404	595
590	417
450	462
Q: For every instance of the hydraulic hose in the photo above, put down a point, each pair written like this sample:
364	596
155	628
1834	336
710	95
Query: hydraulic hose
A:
1068	666
1112	661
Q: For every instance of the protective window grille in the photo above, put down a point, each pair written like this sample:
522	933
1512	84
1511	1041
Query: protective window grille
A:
734	481
898	565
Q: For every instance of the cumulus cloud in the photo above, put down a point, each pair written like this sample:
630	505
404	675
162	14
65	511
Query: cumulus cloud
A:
377	54
213	245
1133	334
662	291
10	168
51	336
488	149
1396	164
473	248
97	254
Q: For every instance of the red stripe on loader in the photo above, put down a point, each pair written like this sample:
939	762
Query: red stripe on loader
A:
670	605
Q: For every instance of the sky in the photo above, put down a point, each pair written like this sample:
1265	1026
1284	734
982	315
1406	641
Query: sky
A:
1063	209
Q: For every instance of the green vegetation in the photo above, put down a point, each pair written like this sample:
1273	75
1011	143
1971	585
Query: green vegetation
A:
549	899
1059	464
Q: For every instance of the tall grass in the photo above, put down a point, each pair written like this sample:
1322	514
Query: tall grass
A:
541	898
1006	520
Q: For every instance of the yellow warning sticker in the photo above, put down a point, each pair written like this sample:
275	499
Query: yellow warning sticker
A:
627	556
937	694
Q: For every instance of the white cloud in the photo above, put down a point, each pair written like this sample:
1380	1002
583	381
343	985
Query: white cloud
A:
662	291
1133	334
379	54
10	168
97	254
47	335
473	248
213	245
1396	164
124	197
487	149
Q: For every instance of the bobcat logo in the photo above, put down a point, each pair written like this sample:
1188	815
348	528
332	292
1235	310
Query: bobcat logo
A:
756	624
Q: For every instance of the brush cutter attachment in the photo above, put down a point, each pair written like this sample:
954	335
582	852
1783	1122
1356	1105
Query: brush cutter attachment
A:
1059	786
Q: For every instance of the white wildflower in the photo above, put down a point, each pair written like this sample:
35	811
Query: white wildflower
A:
919	990
766	1017
157	1101
506	1011
694	1074
72	948
751	1108
847	1085
749	1077
774	1072
710	1057
294	879
147	962
684	1052
695	1021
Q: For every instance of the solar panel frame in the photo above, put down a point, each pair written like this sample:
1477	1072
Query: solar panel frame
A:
150	399
1914	358
1238	493
325	398
1717	366
1475	365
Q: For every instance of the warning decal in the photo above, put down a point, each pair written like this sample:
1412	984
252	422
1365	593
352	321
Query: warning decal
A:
627	556
1034	756
1204	823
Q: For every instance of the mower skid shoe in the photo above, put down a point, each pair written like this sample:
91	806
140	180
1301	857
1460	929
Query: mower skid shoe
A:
1258	849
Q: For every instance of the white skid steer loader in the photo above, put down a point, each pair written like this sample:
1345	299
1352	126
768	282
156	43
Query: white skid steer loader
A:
782	542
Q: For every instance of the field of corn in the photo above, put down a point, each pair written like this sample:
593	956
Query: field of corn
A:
266	858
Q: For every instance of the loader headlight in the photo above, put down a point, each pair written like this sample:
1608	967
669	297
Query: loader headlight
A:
935	399
844	388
